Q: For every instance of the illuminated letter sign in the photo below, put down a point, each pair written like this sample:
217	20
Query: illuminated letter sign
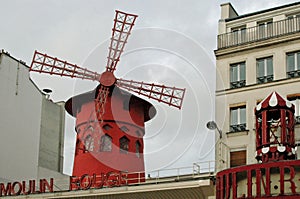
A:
18	188
110	179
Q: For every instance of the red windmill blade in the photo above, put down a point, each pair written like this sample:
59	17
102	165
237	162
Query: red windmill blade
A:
44	63
123	24
122	27
165	94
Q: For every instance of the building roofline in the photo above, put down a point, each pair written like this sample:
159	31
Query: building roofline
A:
3	52
230	4
262	11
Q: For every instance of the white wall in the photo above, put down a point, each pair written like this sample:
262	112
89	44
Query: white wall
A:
31	127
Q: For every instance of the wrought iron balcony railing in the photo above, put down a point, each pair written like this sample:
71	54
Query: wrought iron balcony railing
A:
238	84
294	73
238	127
257	33
264	79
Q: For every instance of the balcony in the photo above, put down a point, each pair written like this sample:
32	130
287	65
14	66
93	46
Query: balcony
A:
292	74
238	127
238	84
265	79
258	33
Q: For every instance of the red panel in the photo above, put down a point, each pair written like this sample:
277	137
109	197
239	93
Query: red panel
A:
123	121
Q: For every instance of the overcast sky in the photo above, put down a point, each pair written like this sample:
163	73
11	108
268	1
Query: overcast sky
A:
172	43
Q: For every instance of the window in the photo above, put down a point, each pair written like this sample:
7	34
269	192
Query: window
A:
237	75
238	119
264	72
107	127
138	149
293	64
295	99
237	158
265	29
124	144
239	34
89	143
106	143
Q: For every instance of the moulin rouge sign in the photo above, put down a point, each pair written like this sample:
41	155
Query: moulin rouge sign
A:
260	181
84	182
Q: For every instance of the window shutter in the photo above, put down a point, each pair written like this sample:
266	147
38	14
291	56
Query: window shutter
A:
237	158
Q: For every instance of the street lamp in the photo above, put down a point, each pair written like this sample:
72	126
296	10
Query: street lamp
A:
211	125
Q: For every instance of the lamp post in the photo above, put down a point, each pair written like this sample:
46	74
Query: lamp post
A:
222	148
212	126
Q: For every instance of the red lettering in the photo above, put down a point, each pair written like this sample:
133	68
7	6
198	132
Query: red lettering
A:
85	182
227	195
74	183
123	178
33	187
258	177
249	183
234	187
111	179
46	184
24	187
99	180
290	180
18	188
13	190
5	191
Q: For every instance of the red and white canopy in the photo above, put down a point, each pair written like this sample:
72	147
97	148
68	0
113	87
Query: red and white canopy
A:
274	100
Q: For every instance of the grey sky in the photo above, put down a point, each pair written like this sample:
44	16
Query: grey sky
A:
172	43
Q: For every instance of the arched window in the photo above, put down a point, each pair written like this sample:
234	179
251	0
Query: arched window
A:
89	143
138	149
107	127
106	143
124	144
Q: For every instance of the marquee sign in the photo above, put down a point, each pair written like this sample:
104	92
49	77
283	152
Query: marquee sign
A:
84	182
26	188
110	179
259	180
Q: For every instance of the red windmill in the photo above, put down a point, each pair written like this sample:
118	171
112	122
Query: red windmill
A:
109	120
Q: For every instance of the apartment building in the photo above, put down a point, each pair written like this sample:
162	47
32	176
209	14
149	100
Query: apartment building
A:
257	54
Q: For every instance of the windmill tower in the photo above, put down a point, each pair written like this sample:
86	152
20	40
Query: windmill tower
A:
109	120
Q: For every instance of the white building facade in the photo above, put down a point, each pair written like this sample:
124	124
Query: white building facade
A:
32	126
258	53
